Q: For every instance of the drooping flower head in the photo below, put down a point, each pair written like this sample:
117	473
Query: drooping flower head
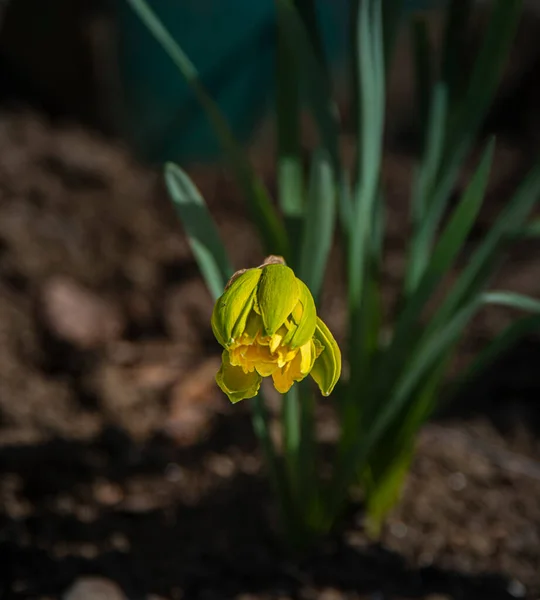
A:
267	323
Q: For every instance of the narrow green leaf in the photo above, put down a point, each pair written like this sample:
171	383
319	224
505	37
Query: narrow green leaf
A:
383	489
435	136
480	266
391	455
367	223
259	203
512	300
468	113
432	350
430	354
423	205
203	235
462	220
319	223
530	230
371	96
442	258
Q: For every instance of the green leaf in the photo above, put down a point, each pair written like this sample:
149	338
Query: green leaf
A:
461	222
391	455
384	489
481	264
366	230
203	235
468	113
442	258
426	358
425	216
431	351
530	230
319	223
512	300
263	212
370	123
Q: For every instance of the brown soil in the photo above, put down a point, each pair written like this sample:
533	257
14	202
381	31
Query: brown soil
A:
119	457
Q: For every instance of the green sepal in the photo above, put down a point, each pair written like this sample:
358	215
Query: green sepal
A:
277	295
235	383
327	368
233	307
304	326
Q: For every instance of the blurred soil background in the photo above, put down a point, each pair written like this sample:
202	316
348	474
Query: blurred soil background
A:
124	473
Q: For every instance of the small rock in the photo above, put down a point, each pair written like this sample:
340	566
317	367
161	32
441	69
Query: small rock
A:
457	482
94	588
398	529
108	494
331	594
120	542
222	466
79	316
517	589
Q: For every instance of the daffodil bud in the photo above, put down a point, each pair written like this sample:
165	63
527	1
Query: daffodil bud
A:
267	323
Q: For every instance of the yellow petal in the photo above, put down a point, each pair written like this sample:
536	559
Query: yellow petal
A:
285	377
233	308
235	383
277	295
264	369
277	338
282	379
327	367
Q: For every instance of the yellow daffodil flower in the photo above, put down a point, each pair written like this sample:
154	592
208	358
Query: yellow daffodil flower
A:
267	323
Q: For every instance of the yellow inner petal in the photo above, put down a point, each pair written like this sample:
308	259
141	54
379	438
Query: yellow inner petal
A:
269	356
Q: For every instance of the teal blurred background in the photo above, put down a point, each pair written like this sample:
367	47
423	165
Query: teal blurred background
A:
232	44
